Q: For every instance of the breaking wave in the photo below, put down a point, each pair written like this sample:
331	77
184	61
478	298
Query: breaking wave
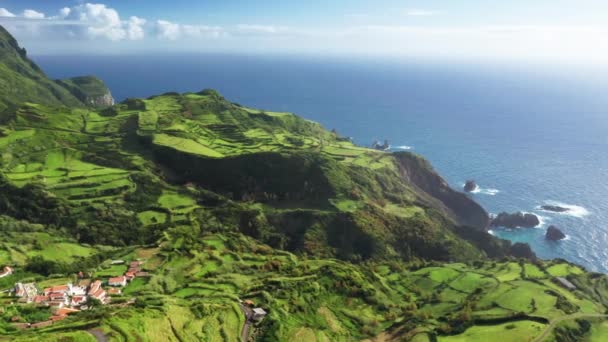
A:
483	191
573	210
403	147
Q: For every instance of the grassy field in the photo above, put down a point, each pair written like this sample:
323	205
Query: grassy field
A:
599	332
511	332
195	296
17	248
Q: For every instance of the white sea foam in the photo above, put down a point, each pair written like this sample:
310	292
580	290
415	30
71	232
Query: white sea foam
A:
573	210
483	191
566	238
543	220
491	232
403	147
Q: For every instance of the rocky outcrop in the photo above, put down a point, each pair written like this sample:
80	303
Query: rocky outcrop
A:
90	90
457	205
470	186
554	208
522	250
516	220
105	100
554	234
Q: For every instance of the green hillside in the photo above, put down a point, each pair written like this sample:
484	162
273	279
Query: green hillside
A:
222	203
21	80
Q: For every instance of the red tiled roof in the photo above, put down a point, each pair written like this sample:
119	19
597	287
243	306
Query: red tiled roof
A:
116	280
114	290
95	286
65	311
60	288
78	298
40	299
98	294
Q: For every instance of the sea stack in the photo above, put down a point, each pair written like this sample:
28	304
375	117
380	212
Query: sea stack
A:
470	186
554	234
554	208
515	220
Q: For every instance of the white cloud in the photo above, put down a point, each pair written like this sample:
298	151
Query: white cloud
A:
419	12
64	12
31	14
203	31
167	30
5	13
102	21
135	28
255	29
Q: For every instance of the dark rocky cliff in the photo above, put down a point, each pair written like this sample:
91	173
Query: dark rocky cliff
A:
457	205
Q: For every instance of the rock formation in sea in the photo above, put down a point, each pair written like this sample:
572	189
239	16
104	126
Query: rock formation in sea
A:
515	220
554	234
470	185
554	208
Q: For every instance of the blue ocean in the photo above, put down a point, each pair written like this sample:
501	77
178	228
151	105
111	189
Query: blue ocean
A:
528	135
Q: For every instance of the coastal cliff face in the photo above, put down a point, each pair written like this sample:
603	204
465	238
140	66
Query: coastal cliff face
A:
89	90
21	80
434	190
105	100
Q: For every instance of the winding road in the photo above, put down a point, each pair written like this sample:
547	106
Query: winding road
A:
556	321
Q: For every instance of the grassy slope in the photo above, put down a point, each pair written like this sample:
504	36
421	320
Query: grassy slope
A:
293	184
21	80
198	280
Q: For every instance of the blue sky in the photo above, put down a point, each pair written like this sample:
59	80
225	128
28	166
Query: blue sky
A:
556	30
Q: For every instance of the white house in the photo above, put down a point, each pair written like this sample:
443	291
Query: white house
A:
258	314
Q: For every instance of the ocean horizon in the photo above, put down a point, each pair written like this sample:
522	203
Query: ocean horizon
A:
528	136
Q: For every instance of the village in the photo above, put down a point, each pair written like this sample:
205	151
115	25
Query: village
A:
89	291
70	298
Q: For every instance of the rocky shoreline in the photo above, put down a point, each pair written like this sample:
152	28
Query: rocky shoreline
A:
515	220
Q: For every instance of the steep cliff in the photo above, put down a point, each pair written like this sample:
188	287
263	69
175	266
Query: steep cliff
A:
435	191
89	90
21	80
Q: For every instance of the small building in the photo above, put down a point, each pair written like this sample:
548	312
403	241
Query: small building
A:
258	314
79	300
6	271
19	290
565	283
95	291
56	289
118	281
248	302
26	292
114	291
117	262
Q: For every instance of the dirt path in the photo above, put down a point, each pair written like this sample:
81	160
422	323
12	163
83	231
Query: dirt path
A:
556	321
248	314
99	335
